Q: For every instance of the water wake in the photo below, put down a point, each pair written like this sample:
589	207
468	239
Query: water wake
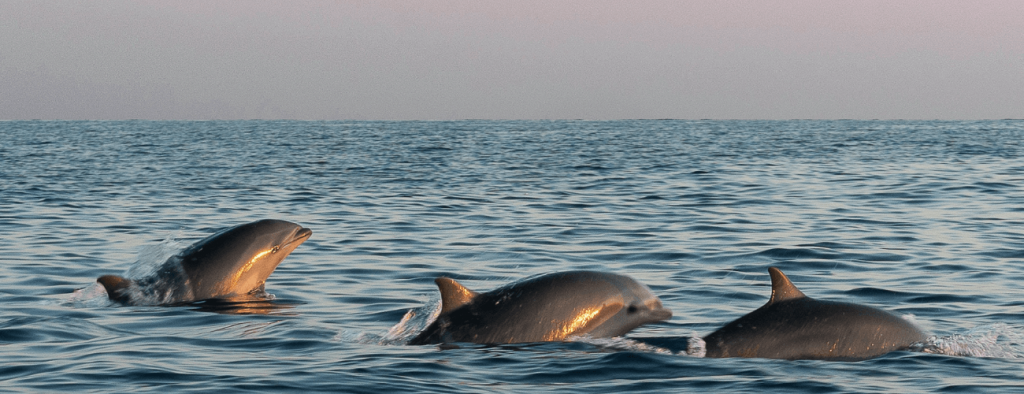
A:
149	288
620	344
997	340
414	321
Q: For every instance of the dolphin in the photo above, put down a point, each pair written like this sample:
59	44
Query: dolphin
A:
794	326
543	308
234	261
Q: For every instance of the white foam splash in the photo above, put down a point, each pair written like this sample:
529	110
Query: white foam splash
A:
413	322
619	343
151	257
357	337
695	345
997	340
164	288
92	295
168	286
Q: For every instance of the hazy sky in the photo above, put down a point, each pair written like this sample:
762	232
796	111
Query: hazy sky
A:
511	59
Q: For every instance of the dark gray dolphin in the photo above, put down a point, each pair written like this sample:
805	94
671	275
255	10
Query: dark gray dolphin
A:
793	326
548	307
234	261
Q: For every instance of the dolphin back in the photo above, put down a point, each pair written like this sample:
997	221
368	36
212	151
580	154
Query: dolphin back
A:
811	329
545	308
794	326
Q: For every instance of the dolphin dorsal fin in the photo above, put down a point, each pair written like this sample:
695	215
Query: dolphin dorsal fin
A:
453	294
782	288
115	287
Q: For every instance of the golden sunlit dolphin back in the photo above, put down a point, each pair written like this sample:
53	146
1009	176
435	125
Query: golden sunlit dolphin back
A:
234	261
549	307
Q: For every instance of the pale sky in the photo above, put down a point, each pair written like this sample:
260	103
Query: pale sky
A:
513	59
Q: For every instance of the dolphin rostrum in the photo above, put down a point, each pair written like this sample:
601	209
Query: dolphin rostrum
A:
234	261
794	326
548	307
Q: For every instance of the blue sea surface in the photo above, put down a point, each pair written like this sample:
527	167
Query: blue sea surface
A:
922	218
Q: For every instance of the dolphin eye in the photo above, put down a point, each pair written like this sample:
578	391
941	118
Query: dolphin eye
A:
275	249
632	309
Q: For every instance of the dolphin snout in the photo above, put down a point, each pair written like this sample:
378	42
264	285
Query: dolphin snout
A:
302	235
661	314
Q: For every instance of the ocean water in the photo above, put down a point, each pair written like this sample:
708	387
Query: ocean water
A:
922	218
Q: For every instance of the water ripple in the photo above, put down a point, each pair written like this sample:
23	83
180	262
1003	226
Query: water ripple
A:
918	217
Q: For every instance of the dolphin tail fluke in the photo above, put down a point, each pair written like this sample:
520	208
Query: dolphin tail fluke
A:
453	294
116	287
782	288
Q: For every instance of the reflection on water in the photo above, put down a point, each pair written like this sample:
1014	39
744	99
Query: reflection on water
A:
245	305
